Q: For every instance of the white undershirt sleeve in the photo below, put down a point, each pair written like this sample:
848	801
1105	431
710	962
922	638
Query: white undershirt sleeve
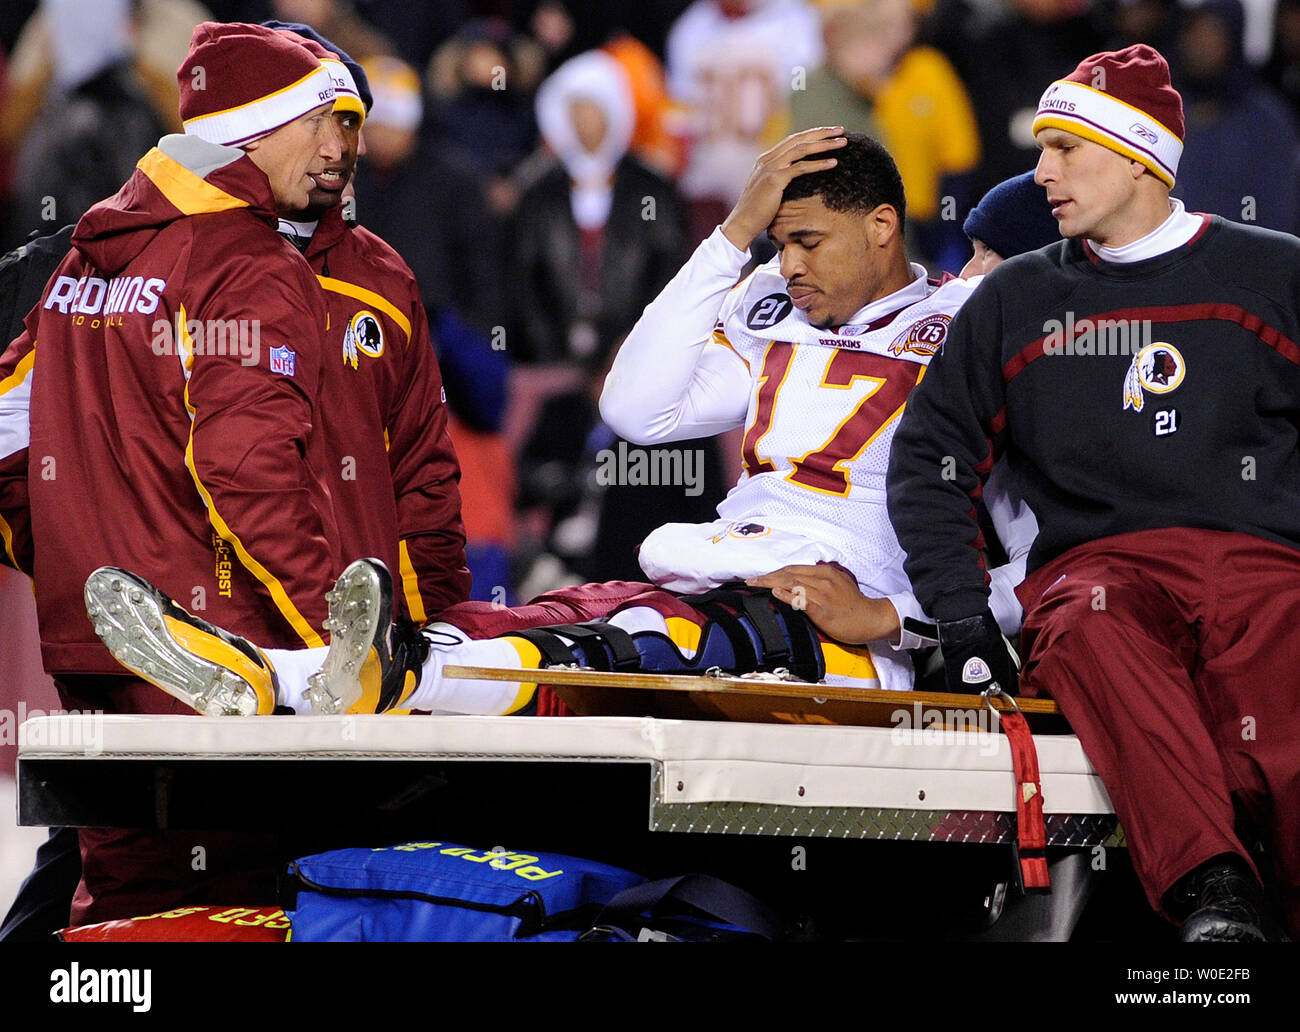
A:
1017	527
907	607
670	380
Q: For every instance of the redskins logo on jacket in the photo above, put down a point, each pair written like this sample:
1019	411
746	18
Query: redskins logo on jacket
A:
363	336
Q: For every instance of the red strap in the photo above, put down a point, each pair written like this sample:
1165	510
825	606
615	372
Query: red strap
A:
1031	831
549	704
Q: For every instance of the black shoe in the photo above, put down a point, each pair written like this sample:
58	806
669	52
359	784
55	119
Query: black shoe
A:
1227	905
373	665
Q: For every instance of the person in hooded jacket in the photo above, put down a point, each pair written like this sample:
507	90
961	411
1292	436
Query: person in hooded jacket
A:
172	423
597	209
598	233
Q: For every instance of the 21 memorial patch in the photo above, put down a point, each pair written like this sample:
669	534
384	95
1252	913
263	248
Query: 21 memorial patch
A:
769	311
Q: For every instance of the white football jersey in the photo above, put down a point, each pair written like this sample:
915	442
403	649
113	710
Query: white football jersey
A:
819	410
823	408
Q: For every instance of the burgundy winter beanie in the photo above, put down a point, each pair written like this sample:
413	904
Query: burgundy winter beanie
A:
240	82
1123	100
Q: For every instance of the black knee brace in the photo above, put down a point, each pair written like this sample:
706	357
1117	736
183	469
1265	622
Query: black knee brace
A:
745	629
596	644
765	632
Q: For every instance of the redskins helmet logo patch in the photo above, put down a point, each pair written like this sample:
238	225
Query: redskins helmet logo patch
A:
1158	368
923	338
742	530
364	335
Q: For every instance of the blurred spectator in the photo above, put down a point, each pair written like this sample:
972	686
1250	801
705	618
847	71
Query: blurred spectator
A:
157	34
1153	22
1230	113
554	29
416	29
482	82
598	233
1259	17
1283	69
732	65
873	71
1004	55
337	21
163	29
567	28
652	141
94	119
842	90
428	207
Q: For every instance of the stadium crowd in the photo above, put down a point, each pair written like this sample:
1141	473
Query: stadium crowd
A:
535	256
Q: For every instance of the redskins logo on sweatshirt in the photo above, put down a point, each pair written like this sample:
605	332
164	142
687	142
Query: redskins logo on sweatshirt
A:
1158	368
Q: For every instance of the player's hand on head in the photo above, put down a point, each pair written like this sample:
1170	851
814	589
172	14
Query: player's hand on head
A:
829	594
761	196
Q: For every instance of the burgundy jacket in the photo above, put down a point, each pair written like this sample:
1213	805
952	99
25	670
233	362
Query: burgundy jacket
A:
172	372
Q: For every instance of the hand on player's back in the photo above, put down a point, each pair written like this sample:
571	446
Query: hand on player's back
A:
830	596
772	172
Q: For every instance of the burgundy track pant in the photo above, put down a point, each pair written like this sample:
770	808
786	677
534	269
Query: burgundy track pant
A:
1175	654
563	605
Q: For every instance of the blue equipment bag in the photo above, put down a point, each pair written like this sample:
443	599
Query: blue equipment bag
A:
442	892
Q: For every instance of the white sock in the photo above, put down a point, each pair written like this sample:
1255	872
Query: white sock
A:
450	647
292	668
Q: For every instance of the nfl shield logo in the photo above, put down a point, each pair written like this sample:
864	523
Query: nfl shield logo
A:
282	361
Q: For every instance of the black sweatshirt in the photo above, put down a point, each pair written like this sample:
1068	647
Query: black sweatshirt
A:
1126	397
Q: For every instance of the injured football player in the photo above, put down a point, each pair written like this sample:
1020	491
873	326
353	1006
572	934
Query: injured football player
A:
814	354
